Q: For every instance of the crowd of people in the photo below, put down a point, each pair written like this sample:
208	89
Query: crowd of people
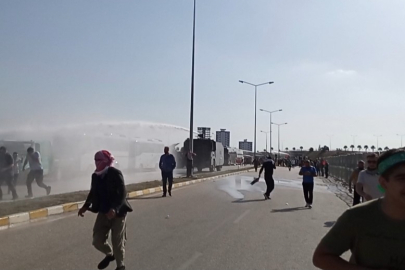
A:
12	165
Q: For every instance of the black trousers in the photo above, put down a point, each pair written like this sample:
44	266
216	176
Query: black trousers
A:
256	168
38	176
189	167
270	184
308	192
8	178
167	177
356	197
326	173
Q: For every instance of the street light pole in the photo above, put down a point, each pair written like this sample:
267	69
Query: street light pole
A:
278	127
330	142
377	139
192	94
266	132
270	113
255	85
401	135
354	136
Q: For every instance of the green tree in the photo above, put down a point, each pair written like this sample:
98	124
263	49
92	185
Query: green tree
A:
366	147
386	148
301	148
345	147
352	147
359	147
286	149
372	148
293	148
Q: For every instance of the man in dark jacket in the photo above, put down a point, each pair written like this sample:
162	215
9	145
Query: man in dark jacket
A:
268	166
6	172
167	164
107	198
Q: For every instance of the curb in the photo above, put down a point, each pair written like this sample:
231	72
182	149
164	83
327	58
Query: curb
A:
8	221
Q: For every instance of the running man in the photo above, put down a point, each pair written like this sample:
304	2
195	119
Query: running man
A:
373	231
308	173
36	171
268	166
353	179
368	184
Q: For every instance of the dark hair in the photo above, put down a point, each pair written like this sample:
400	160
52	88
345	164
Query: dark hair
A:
30	149
372	155
3	148
15	153
386	155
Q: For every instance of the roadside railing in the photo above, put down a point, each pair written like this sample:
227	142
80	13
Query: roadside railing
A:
341	167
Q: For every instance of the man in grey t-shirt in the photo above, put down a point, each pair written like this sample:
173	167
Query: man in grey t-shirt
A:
36	172
368	184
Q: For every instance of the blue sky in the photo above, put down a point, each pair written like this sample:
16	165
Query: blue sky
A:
337	65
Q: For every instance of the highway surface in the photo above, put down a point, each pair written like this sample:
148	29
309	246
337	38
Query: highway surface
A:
219	224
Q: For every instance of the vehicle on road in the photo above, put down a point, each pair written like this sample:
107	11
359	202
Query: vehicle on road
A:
209	154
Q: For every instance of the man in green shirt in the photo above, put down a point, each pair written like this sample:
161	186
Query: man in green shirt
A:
374	231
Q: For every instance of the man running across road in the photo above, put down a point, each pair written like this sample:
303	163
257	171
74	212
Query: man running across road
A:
353	179
268	166
167	164
308	173
373	231
36	171
6	172
367	184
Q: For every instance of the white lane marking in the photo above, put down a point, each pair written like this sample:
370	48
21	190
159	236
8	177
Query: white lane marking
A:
241	216
185	265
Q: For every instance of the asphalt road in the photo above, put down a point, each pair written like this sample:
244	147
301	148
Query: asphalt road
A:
220	224
83	183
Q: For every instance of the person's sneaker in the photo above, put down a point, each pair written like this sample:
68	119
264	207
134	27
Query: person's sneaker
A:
266	197
106	262
170	193
307	205
48	190
310	206
164	195
121	268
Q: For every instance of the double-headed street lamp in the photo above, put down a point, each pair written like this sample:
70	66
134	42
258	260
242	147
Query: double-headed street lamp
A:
401	135
270	113
278	125
378	136
255	85
266	132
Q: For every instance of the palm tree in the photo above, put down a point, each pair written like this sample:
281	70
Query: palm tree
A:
359	147
386	148
372	148
301	148
286	149
345	147
379	149
366	147
272	149
311	149
293	148
352	147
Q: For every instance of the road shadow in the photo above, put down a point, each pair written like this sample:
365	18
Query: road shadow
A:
146	198
329	224
292	209
248	201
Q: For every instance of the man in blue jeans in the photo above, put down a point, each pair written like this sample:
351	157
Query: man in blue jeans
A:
167	164
308	173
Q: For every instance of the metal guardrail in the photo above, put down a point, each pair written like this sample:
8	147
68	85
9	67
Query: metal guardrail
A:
341	167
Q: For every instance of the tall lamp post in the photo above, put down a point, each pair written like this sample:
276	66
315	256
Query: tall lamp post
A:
278	127
266	132
330	142
401	135
255	85
190	162
270	113
377	136
354	141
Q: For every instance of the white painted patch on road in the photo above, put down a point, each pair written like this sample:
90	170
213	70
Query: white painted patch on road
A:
241	216
189	262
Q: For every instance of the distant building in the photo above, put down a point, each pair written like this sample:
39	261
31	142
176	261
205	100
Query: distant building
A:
224	137
205	132
245	145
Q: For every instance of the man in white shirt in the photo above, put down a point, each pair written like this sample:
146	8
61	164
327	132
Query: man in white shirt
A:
36	171
368	185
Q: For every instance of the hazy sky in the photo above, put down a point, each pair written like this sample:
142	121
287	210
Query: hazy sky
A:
338	66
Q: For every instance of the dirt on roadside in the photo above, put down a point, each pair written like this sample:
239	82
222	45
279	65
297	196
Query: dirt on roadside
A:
26	205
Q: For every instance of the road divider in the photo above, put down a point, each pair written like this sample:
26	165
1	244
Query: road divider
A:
42	213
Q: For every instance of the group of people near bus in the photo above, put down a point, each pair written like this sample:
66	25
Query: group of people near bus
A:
12	165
